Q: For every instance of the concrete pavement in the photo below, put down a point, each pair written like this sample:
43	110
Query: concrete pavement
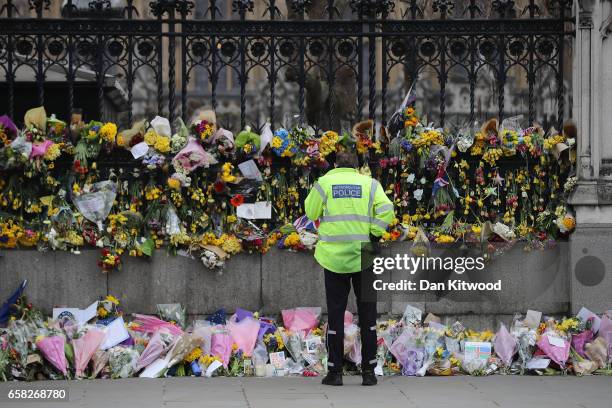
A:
405	392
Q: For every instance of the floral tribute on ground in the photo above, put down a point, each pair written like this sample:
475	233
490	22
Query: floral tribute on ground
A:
201	189
106	345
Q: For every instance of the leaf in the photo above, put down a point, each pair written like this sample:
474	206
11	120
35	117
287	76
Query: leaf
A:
447	225
147	247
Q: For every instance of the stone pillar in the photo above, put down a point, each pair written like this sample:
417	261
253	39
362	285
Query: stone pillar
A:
591	244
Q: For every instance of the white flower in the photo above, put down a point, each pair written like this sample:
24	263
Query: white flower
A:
464	143
418	194
161	126
503	231
410	178
423	180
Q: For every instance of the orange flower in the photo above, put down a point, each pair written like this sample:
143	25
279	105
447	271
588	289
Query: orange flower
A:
237	200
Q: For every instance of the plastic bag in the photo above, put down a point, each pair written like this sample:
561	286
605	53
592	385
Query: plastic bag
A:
172	312
96	205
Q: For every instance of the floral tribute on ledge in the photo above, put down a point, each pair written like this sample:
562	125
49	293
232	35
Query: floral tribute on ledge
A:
101	342
204	192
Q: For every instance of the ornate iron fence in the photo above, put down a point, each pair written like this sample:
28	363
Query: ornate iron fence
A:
340	58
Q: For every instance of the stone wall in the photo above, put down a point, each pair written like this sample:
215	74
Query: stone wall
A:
280	279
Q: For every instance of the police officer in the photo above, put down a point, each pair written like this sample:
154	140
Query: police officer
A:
353	210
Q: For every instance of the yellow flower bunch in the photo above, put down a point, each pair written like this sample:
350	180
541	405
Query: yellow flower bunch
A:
479	144
108	132
428	138
10	234
150	137
445	239
116	220
568	324
551	141
195	354
112	299
174	184
226	173
180	239
53	152
292	239
152	193
230	244
328	142
492	155
29	238
208	360
162	144
102	312
276	142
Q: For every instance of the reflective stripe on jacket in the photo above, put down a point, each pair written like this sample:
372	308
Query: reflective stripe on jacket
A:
350	207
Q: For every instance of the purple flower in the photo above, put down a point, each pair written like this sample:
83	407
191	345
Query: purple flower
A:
9	126
406	145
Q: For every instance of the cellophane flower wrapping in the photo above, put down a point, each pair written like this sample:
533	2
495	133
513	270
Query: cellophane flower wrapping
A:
183	345
221	345
85	347
557	353
193	156
244	333
150	324
96	205
99	361
301	319
505	345
160	343
172	312
122	361
580	340
52	348
352	343
409	352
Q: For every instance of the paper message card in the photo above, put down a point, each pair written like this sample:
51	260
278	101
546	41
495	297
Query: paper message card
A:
278	359
477	350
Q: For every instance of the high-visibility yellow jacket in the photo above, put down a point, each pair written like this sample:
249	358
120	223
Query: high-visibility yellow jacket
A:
350	207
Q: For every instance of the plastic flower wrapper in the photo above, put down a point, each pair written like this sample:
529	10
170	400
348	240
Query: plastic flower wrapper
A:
579	341
21	146
159	343
150	324
122	361
192	156
420	245
412	316
85	347
294	343
96	204
248	137
99	361
408	350
352	343
172	312
301	318
36	117
597	351
221	345
204	330
244	333
52	348
505	345
555	347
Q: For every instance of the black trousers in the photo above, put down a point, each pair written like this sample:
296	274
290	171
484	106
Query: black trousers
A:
337	289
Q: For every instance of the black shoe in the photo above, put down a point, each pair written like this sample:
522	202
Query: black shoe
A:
332	378
368	378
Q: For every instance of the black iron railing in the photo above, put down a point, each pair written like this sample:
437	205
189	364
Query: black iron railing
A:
341	58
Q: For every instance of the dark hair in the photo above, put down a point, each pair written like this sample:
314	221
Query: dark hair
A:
346	159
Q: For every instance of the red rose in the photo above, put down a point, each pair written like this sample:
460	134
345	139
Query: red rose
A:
237	200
